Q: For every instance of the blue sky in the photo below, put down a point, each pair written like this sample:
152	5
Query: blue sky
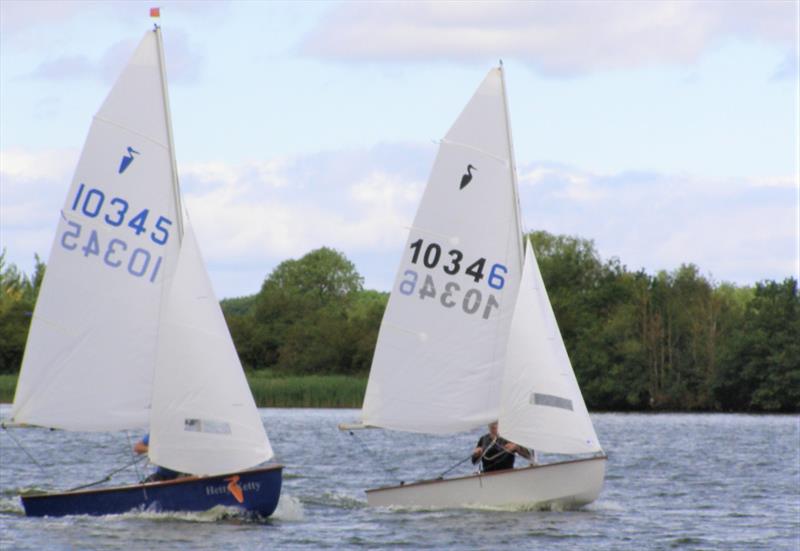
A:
665	131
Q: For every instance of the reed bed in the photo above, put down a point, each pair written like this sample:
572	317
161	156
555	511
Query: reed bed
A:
8	382
308	391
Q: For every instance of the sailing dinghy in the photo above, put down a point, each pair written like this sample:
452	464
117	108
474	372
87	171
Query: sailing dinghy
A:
127	333
469	335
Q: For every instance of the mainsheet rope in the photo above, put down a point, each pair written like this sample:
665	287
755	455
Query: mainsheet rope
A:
375	458
17	442
107	477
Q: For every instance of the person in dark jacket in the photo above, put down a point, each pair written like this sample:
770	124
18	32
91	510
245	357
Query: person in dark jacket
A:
495	452
161	473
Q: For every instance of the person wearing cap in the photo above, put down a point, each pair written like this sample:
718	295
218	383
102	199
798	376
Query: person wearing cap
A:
495	452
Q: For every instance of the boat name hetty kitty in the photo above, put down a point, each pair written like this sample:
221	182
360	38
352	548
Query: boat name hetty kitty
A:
223	488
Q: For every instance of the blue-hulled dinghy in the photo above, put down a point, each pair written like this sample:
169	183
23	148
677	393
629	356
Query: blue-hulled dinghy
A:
127	333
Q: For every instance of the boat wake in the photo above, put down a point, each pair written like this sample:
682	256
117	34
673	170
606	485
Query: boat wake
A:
11	505
215	514
289	509
605	506
335	499
526	507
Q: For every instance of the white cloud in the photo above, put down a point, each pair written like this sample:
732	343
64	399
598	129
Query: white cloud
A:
250	216
20	16
560	38
736	229
185	62
32	187
270	211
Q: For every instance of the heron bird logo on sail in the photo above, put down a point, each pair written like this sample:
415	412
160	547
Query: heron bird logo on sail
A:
467	177
127	159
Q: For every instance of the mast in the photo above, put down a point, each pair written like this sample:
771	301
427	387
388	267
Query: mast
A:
176	189
513	162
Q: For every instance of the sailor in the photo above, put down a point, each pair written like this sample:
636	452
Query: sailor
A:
495	452
161	473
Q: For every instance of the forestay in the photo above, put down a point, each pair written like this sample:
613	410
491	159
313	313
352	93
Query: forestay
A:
204	419
90	353
541	404
441	349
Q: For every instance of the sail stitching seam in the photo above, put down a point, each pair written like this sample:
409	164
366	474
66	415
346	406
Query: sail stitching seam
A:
479	150
131	130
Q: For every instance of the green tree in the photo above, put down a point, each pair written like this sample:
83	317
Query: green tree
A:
300	314
18	293
364	317
761	363
589	299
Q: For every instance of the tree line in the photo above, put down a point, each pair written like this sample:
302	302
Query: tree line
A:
672	341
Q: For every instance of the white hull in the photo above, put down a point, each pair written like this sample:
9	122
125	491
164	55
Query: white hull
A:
566	484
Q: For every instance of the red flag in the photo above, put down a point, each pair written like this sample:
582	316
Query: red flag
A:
155	12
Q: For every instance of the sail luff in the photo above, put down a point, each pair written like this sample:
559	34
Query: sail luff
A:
512	160
171	143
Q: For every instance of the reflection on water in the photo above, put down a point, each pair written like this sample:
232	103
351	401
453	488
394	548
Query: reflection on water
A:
673	482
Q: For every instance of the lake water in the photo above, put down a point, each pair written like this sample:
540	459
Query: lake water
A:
674	481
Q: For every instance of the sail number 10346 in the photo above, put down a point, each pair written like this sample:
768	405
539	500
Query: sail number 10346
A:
471	301
431	256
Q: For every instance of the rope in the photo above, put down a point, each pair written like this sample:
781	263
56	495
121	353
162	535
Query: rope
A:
441	476
375	459
106	478
133	456
499	453
478	461
23	449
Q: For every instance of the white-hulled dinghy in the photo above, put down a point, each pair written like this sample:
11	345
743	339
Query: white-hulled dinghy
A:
469	334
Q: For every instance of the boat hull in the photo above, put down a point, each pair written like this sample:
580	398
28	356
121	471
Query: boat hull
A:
566	484
253	491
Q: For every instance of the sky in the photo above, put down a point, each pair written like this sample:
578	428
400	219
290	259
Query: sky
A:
666	132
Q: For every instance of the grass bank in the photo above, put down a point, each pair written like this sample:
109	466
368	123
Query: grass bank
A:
309	391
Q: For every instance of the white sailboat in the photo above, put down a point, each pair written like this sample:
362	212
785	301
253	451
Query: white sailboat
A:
127	333
469	335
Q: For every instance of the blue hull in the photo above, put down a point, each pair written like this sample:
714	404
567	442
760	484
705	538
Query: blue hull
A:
255	491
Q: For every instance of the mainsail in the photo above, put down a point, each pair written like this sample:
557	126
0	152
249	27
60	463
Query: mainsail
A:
541	406
91	349
204	419
126	316
439	359
469	336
